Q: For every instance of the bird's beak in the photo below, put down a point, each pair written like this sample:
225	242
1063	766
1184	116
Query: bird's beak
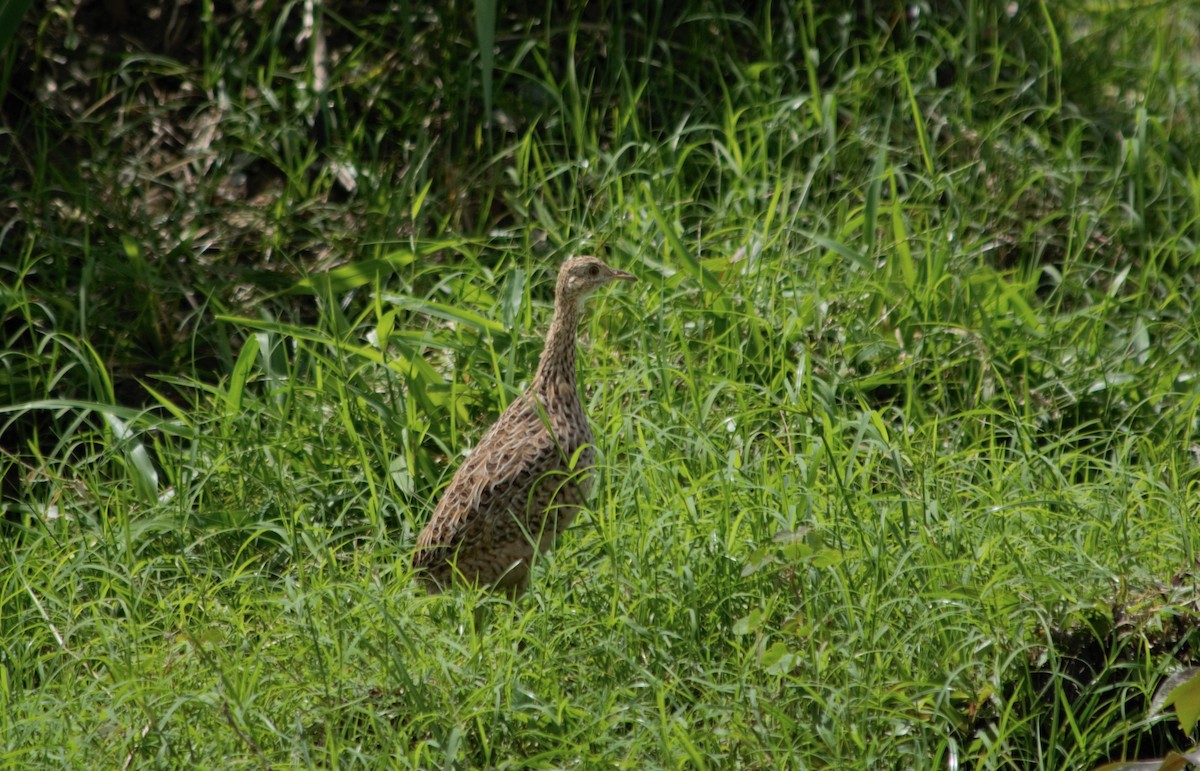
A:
623	275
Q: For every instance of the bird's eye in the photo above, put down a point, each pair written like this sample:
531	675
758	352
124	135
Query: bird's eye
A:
593	270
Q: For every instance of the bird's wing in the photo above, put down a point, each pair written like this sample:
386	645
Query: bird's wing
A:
498	474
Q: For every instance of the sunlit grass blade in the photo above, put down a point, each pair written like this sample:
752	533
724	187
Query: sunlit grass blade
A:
142	472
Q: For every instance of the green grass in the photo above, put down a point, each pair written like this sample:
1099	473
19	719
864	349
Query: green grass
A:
898	430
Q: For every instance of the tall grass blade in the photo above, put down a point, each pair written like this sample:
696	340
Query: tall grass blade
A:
485	35
11	13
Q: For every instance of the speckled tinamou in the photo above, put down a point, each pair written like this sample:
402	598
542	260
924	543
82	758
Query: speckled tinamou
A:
525	481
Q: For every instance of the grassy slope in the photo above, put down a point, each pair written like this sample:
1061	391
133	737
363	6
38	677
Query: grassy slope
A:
898	425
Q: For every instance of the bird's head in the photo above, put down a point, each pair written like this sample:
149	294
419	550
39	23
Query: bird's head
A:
580	275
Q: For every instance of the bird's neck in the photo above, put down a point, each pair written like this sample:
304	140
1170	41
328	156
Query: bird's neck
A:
557	365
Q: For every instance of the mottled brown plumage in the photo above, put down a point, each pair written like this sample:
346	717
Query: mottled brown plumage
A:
524	482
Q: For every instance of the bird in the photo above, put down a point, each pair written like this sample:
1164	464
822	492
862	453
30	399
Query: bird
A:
523	484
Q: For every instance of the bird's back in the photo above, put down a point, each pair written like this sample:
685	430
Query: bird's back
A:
520	486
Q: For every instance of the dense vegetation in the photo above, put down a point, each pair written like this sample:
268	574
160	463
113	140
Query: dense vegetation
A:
899	430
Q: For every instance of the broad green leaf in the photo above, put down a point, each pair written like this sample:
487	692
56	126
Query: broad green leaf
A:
797	551
361	272
350	276
447	312
777	659
762	556
827	558
241	371
1186	699
142	472
420	199
124	413
749	623
842	250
